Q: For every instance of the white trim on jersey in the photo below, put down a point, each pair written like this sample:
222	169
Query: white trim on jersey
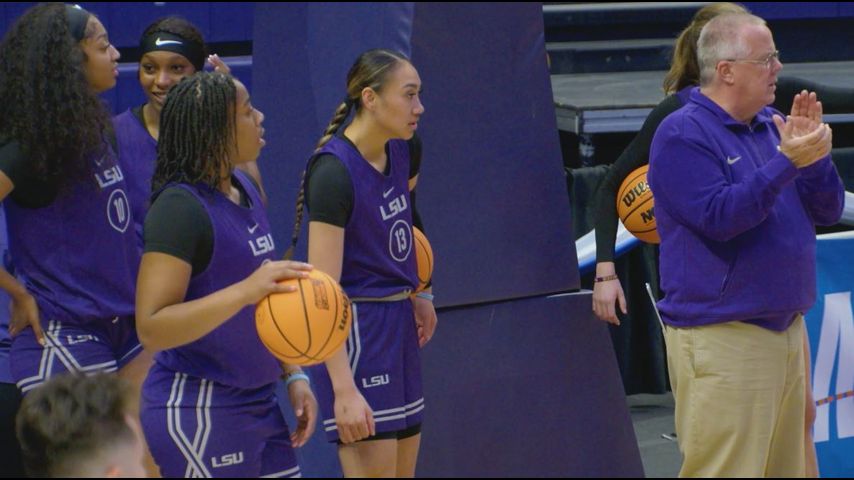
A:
354	341
53	338
54	349
131	352
415	407
195	465
203	419
385	415
45	369
289	473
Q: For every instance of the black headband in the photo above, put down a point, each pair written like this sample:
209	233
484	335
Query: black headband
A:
168	42
77	19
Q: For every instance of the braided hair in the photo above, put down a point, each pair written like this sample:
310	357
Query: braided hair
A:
370	70
197	129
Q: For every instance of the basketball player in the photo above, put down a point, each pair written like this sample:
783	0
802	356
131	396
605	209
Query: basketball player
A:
172	48
358	189
81	426
67	207
209	407
10	397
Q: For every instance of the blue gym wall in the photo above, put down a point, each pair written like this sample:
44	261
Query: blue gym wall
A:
491	192
517	382
218	22
493	182
232	23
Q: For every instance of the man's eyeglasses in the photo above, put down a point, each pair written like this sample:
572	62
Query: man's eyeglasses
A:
765	62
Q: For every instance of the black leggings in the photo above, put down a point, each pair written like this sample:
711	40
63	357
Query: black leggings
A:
397	435
10	451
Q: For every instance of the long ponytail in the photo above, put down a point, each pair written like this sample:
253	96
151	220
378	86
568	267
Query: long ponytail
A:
369	71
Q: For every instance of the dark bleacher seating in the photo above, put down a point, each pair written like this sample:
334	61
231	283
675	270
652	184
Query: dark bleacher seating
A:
633	36
607	64
610	56
613	37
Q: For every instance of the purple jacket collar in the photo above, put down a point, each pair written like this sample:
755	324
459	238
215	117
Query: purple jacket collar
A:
761	118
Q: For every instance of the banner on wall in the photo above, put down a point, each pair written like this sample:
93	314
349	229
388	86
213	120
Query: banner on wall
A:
830	324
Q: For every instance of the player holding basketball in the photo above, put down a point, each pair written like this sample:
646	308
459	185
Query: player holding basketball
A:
738	192
358	189
209	406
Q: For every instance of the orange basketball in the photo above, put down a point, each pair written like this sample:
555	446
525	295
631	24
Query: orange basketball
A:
308	326
635	206
424	257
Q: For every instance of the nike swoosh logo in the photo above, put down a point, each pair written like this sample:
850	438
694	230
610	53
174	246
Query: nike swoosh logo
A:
386	194
160	43
252	229
731	160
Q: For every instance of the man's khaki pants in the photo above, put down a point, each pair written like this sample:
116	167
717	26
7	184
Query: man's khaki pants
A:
739	393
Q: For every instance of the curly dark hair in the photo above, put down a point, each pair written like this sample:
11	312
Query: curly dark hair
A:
197	127
67	422
48	106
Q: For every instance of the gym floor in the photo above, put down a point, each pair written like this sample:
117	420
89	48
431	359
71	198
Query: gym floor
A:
652	417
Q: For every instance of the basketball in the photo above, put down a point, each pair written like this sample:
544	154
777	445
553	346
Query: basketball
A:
635	206
424	257
308	326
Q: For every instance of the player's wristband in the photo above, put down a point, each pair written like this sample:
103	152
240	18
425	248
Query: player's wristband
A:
426	296
293	377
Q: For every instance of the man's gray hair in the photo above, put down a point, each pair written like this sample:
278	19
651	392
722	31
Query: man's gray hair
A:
722	39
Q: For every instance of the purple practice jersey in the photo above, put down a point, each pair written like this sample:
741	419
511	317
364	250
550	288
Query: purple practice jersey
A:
5	339
138	157
78	256
379	260
232	354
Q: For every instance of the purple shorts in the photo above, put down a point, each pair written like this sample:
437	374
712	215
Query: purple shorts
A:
386	362
94	347
198	428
